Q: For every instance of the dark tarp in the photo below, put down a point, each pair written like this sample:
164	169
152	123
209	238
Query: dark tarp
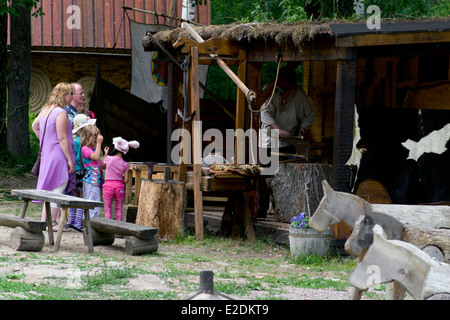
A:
121	114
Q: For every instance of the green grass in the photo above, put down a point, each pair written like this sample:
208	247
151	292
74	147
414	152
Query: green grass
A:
240	267
237	273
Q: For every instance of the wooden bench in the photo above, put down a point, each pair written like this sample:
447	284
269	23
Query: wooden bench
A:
62	201
139	239
28	235
394	260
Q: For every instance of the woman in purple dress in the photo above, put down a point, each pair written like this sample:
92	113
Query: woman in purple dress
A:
57	159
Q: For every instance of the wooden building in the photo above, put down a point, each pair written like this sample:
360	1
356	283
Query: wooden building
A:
403	66
73	36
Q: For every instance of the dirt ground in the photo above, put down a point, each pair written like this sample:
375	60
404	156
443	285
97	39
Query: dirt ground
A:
73	250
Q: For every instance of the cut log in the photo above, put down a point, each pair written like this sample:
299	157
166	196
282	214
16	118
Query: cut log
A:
24	240
123	228
100	238
426	237
28	224
161	206
135	246
297	187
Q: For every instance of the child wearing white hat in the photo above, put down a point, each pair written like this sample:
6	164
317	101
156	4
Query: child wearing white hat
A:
116	176
79	123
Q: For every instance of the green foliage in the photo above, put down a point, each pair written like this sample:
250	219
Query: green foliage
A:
9	7
227	11
11	165
441	8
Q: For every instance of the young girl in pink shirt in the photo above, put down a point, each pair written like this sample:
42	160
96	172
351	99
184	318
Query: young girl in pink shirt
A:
116	175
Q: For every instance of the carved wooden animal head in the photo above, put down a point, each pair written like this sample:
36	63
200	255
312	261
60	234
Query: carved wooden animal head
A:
362	234
335	207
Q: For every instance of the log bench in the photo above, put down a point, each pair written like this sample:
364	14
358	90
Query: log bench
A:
28	234
138	239
62	201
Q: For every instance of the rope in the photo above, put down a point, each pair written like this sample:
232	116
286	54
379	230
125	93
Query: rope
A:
261	110
273	92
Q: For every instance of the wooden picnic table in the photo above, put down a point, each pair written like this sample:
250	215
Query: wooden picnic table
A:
62	201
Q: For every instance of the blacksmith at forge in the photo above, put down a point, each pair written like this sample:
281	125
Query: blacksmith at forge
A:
289	112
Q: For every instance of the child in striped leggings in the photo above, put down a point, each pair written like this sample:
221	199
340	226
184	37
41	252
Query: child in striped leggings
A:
116	176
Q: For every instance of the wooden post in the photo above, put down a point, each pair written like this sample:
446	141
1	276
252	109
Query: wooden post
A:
343	123
196	145
239	151
62	221
88	231
254	82
48	213
24	208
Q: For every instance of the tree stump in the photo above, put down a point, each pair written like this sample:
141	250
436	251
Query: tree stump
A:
24	240
161	206
298	187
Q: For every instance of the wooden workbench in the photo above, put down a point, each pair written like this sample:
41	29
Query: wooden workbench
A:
139	171
233	186
62	201
237	188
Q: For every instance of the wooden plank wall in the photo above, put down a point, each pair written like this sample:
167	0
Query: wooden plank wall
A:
104	24
378	83
319	83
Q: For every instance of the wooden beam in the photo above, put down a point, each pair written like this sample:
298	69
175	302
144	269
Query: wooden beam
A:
343	123
196	144
203	60
377	39
250	95
312	52
219	46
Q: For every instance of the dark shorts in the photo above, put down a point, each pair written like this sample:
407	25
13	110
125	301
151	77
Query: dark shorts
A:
80	174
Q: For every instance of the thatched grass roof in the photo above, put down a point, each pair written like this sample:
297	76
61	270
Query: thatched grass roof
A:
296	34
279	33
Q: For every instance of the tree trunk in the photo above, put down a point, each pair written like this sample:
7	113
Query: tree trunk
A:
161	206
297	188
19	74
3	69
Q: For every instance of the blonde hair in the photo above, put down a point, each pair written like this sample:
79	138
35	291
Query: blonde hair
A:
87	134
58	93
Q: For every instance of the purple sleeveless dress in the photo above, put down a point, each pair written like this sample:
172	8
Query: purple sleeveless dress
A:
54	169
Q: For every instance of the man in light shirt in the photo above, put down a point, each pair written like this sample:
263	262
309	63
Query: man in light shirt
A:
287	114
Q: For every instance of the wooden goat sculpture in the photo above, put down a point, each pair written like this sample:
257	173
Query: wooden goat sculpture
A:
395	260
396	220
